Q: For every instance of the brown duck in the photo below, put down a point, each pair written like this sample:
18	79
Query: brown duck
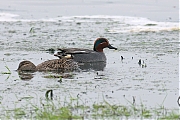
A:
50	65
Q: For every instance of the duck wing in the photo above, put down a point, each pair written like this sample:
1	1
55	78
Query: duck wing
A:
75	51
69	52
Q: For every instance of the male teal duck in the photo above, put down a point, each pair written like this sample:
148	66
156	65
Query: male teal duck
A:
50	65
85	55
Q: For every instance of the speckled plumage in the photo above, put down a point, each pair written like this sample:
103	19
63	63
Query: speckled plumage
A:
57	64
50	65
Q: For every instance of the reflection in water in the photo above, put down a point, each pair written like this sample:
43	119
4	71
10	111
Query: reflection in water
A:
25	75
97	66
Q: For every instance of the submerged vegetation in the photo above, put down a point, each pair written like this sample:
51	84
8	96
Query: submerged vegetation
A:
9	71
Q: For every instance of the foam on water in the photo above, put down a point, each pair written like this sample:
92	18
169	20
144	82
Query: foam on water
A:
7	17
125	24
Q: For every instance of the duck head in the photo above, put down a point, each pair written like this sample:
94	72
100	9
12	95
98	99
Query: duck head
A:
102	43
26	66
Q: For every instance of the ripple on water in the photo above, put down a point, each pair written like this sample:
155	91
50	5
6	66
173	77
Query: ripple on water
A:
126	78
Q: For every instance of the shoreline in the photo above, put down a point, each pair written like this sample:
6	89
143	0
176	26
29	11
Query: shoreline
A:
156	10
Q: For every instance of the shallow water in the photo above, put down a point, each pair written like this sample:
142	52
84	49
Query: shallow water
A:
155	43
159	10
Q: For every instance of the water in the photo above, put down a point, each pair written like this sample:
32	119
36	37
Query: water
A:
155	43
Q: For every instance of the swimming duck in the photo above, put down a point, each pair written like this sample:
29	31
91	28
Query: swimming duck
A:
50	65
86	55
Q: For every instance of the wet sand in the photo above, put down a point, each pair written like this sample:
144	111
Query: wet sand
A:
158	10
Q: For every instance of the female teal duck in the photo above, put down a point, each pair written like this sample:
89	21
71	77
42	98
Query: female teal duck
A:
50	65
86	55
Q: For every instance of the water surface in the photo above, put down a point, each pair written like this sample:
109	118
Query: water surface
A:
153	83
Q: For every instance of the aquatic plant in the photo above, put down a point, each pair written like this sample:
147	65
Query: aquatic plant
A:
9	71
75	108
32	30
47	94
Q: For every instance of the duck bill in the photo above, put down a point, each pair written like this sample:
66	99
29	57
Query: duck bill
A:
111	47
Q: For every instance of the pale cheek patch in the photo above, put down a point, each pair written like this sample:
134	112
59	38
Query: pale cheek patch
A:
68	56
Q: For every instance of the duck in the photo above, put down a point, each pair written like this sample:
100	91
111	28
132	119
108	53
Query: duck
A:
49	65
82	55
